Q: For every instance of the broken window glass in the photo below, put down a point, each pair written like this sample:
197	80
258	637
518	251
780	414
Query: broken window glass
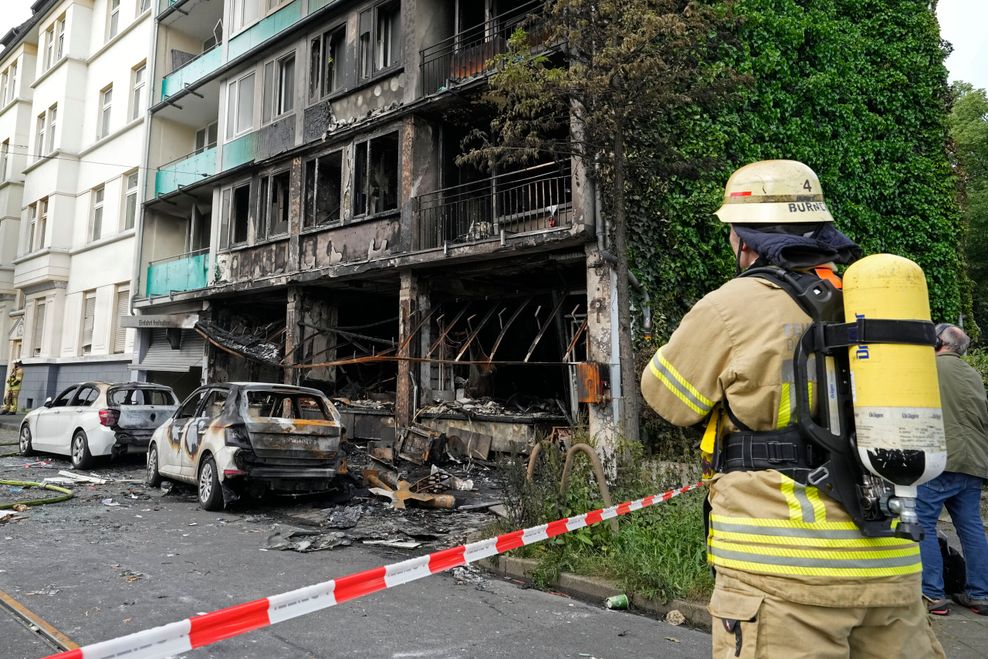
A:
323	187
376	175
240	213
278	214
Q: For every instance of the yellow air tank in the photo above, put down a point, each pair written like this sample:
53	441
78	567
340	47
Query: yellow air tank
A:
896	396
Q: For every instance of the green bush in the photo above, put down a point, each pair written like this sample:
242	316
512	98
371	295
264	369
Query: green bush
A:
979	360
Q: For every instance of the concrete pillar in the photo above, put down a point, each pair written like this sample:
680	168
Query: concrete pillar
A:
293	314
317	345
605	418
408	316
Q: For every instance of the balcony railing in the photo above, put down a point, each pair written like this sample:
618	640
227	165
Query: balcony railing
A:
532	200
187	170
190	72
186	272
469	53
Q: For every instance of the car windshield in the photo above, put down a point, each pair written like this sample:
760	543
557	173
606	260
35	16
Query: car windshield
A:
267	404
140	396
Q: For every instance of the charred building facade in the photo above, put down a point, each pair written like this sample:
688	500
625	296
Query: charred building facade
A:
306	221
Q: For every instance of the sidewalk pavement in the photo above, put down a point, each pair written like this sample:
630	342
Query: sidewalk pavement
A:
11	421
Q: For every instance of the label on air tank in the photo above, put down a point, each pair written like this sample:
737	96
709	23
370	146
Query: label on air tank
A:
900	428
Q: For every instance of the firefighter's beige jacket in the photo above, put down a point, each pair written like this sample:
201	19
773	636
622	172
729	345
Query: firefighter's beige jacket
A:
766	529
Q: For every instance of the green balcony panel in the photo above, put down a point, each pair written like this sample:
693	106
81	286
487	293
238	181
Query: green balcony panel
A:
191	72
264	29
187	171
239	151
184	273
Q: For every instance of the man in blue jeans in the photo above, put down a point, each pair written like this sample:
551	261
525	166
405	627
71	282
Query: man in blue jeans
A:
965	420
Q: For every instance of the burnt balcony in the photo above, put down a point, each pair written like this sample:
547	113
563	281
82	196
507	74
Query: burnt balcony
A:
469	53
533	200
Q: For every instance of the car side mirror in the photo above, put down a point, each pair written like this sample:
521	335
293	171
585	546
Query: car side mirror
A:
48	402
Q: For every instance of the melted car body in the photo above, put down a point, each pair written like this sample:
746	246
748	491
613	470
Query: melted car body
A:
231	439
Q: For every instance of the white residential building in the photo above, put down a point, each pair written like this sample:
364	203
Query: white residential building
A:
75	126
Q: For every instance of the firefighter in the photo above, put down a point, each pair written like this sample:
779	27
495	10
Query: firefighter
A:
13	389
794	574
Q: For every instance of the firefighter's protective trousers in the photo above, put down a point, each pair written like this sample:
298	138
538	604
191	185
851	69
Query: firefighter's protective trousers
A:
792	567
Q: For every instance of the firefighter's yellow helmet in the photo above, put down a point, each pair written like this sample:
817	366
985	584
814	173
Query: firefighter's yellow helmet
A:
773	192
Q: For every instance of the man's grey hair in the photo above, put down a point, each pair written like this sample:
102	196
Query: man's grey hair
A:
953	338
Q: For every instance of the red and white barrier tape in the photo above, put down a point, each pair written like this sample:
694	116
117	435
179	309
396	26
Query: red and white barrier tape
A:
178	637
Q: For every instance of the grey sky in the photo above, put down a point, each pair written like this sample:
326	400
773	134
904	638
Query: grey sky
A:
962	22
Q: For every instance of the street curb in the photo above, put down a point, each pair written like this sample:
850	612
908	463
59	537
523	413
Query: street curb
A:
596	589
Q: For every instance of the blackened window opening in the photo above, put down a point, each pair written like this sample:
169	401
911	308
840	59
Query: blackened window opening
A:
376	175
323	189
240	213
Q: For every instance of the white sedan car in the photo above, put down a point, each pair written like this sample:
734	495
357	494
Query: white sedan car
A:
95	419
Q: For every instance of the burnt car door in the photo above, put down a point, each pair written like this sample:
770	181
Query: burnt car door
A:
210	410
172	458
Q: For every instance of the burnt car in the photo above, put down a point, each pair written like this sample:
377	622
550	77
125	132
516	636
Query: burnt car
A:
237	438
93	419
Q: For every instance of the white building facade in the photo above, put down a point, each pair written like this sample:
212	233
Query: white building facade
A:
70	202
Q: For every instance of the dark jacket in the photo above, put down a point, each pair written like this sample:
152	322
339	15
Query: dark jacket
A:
965	416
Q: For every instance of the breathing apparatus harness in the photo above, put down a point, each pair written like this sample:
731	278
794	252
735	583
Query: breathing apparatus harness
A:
826	456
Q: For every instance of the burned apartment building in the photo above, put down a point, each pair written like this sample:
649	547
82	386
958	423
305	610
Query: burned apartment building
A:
306	221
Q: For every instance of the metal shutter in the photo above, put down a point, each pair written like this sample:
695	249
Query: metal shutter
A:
161	357
120	335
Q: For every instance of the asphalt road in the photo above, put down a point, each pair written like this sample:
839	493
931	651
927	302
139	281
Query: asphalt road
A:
95	570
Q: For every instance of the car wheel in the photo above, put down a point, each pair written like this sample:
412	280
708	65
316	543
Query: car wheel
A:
81	457
24	441
151	477
210	493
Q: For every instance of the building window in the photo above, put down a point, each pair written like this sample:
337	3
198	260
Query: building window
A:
137	95
38	332
42	222
144	6
326	63
245	12
206	138
4	155
49	58
375	188
39	138
114	26
32	228
59	37
273	4
96	217
103	118
273	204
323	187
12	88
240	214
130	200
240	106
3	87
50	145
279	87
122	308
88	321
380	38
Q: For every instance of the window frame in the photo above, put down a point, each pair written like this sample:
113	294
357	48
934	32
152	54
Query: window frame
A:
368	55
276	103
137	86
38	330
84	348
52	116
4	159
315	162
369	158
49	47
98	201
40	133
12	89
59	38
113	19
41	225
118	338
129	194
319	48
234	91
104	112
266	224
230	208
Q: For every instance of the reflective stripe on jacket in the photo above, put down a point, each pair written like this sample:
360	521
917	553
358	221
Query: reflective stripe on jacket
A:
736	344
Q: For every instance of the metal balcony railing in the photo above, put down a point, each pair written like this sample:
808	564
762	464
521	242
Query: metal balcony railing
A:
185	272
531	200
469	53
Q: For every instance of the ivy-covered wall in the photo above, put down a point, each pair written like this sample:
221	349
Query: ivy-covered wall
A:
856	89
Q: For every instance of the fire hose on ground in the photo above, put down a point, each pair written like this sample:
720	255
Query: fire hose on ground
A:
66	494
